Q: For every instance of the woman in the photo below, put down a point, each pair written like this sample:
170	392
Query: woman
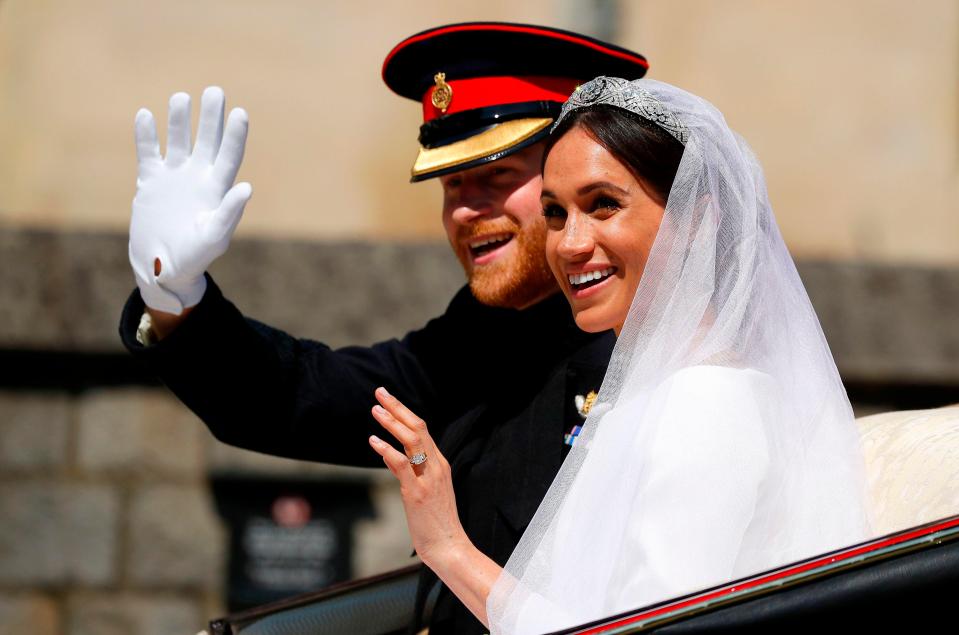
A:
722	442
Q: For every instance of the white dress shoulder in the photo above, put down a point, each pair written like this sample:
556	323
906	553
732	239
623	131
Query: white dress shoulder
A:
678	518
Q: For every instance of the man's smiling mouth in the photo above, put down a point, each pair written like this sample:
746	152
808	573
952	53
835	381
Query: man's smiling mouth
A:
485	244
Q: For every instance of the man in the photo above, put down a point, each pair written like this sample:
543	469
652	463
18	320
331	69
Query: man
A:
503	377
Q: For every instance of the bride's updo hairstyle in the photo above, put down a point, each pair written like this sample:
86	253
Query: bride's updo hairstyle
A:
645	149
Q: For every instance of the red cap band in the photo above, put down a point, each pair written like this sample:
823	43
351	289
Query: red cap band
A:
480	92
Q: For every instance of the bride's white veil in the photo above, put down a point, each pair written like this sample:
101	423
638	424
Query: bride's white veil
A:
721	391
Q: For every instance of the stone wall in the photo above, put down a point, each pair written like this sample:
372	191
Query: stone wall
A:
63	292
106	520
851	107
106	525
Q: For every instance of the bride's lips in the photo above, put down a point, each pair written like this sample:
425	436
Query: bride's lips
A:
488	247
586	282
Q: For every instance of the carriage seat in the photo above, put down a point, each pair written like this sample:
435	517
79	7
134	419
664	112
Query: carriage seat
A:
912	466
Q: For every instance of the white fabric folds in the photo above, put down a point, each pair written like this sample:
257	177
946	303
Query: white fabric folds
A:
722	443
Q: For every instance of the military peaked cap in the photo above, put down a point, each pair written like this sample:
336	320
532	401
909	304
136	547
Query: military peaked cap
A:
489	89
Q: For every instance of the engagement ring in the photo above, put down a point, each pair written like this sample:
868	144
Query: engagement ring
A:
418	458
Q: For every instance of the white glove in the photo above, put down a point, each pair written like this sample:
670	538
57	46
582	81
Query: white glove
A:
186	206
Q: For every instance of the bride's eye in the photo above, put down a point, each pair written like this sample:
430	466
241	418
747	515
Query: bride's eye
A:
553	211
605	203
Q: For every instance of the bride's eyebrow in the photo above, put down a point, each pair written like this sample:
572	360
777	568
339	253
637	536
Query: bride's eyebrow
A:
586	189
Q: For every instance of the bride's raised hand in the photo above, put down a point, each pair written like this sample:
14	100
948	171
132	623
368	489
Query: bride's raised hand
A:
426	484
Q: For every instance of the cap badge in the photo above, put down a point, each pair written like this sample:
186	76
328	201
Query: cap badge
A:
442	93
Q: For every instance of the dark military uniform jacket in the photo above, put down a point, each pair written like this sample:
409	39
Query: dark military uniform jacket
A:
495	386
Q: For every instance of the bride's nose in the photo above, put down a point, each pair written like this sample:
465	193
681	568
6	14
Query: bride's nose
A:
577	241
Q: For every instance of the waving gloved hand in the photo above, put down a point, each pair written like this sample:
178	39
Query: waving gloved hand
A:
186	206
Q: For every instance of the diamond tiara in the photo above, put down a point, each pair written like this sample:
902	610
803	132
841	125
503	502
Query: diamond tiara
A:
627	95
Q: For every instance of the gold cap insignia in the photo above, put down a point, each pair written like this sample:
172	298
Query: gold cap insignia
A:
585	404
442	93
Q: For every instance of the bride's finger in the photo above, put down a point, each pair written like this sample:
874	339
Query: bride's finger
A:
401	413
395	460
409	439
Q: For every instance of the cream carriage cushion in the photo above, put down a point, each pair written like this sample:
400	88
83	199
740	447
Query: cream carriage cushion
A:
912	466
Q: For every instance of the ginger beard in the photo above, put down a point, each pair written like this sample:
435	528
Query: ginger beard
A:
517	277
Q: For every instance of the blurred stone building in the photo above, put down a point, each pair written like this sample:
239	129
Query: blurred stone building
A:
107	523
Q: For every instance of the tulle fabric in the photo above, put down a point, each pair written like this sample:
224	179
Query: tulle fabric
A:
722	442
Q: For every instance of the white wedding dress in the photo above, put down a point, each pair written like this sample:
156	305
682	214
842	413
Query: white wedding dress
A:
722	443
680	539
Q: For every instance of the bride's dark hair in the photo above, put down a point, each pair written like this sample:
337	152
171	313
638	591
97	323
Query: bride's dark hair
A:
648	151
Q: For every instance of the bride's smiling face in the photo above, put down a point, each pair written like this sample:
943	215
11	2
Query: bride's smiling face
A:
601	224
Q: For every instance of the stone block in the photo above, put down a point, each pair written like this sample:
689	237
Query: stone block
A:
175	538
888	323
226	459
34	429
342	293
30	310
98	277
383	542
141	432
885	322
29	614
45	276
127	613
53	534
